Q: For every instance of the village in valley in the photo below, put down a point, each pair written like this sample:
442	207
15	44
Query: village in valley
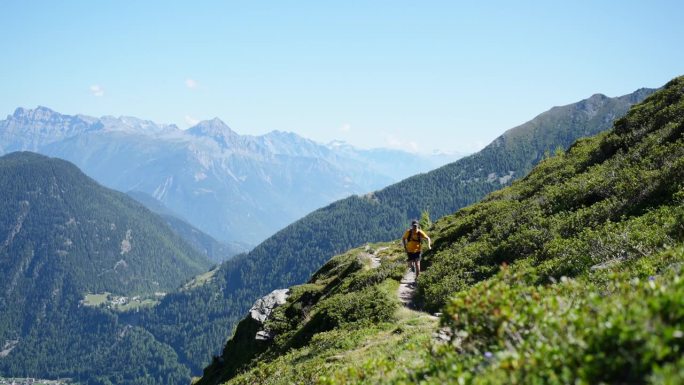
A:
31	381
120	303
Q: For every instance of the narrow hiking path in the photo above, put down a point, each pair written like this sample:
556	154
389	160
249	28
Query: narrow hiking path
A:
407	289
407	285
405	294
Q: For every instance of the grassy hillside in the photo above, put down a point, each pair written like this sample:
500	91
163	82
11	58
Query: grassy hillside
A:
571	275
293	254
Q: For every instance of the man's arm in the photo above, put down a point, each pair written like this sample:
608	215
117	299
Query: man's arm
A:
428	239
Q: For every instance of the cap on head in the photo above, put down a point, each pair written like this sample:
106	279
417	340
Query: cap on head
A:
414	223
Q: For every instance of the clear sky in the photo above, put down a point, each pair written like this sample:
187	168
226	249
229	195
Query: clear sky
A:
424	75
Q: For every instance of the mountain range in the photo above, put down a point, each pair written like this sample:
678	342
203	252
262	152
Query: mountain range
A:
239	189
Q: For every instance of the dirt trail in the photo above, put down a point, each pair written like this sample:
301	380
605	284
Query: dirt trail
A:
407	288
407	285
405	293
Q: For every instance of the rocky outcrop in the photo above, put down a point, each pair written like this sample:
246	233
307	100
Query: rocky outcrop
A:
250	339
263	307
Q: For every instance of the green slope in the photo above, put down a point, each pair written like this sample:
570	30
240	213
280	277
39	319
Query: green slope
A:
571	275
63	236
293	254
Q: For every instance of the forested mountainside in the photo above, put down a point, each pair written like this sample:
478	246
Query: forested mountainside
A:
56	218
571	275
293	254
236	188
65	241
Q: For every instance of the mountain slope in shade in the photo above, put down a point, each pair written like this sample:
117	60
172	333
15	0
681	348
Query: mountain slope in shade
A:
55	218
236	188
62	237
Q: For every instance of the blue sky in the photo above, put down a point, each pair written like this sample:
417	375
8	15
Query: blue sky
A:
418	75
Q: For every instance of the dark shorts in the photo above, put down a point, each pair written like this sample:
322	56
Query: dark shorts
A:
414	256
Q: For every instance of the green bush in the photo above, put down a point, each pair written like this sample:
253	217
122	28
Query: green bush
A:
369	306
621	330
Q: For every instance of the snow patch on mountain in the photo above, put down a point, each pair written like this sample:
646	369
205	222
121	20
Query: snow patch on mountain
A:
161	191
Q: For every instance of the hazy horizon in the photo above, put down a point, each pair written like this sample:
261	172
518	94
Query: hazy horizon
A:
434	75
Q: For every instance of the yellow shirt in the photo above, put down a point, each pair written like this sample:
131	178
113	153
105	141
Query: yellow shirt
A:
413	244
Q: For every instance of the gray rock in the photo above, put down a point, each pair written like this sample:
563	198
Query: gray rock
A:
443	335
264	335
607	264
263	307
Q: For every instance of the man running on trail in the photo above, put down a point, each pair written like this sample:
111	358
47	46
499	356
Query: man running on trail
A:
412	241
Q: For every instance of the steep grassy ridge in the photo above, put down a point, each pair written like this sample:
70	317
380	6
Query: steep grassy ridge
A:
611	197
571	275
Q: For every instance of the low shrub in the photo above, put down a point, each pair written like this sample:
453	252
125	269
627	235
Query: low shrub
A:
615	329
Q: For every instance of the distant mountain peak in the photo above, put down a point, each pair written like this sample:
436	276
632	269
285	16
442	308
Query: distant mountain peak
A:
134	125
286	136
39	113
598	96
282	133
213	124
638	95
214	128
